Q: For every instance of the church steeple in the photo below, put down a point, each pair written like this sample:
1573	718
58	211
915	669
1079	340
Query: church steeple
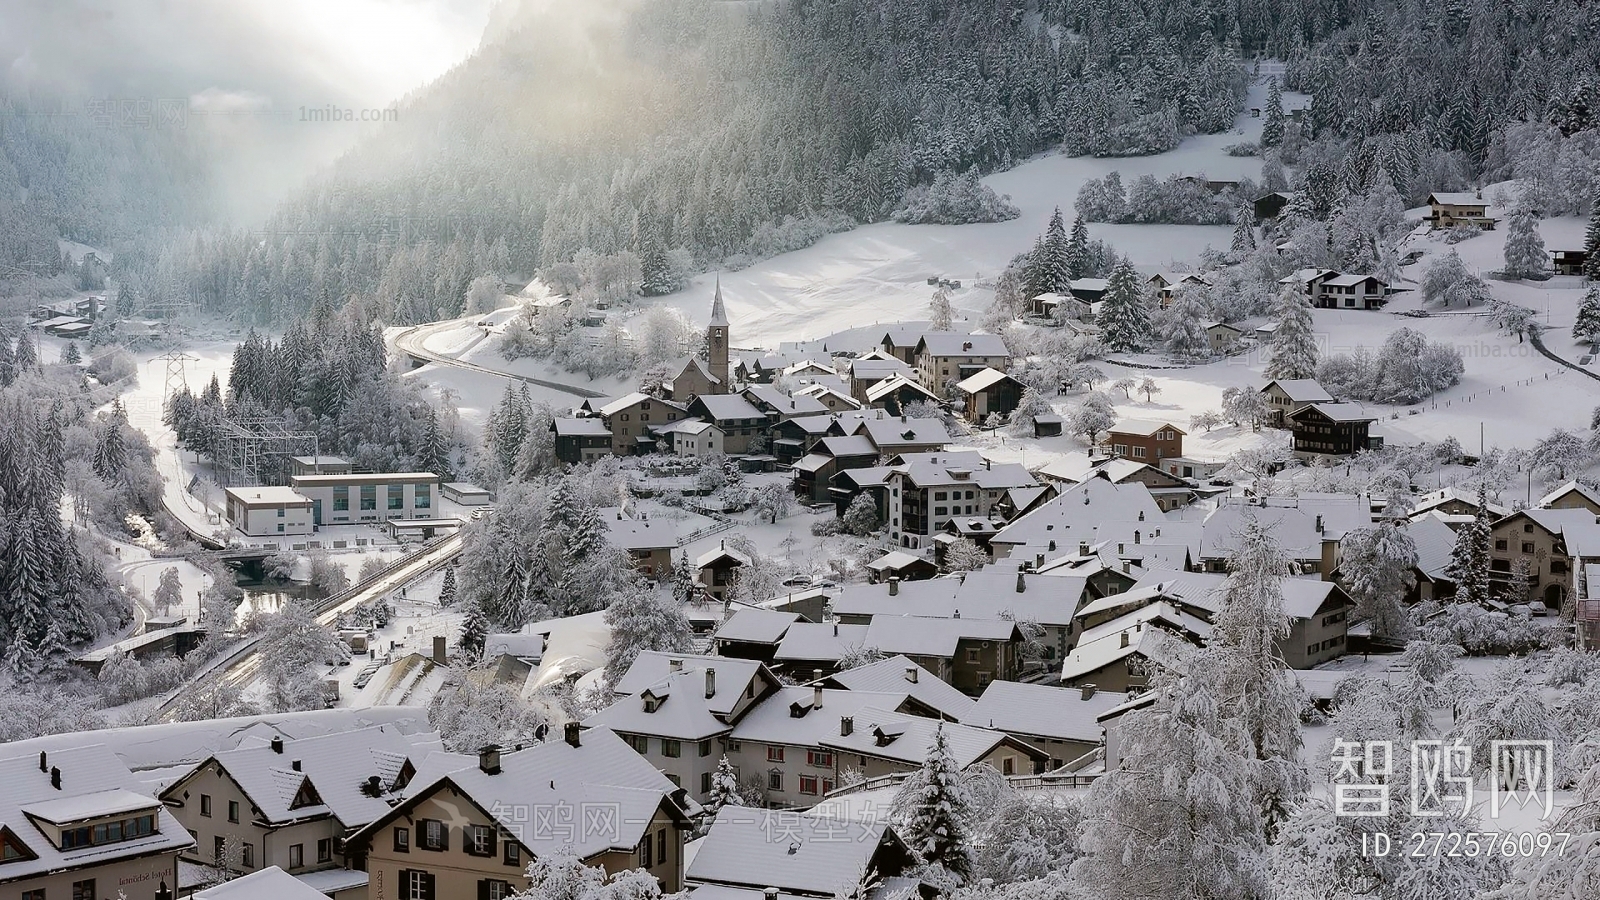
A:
717	342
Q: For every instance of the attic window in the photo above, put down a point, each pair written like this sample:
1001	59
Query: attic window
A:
651	703
306	796
12	848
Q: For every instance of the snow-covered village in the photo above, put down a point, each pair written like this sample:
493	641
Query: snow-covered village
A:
863	450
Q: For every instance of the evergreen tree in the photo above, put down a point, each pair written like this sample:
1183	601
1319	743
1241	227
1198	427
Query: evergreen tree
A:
937	808
1591	241
447	591
1294	344
1244	231
861	517
685	582
1079	261
474	629
1181	328
110	450
1524	250
435	451
1469	559
70	354
1587	325
1272	125
1378	564
169	592
27	354
1056	264
8	359
1123	320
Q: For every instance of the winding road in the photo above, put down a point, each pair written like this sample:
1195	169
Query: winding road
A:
413	343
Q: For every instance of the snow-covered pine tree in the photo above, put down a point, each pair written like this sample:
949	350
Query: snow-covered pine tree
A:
1079	263
447	590
1244	231
1294	343
169	592
685	584
435	451
1032	405
1587	325
940	314
936	809
8	359
1524	250
1591	241
641	618
27	354
1378	564
70	355
1272	124
1181	328
861	517
1056	267
474	629
724	792
1123	320
1469	559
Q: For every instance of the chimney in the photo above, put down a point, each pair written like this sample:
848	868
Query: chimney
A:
277	743
911	674
55	777
1136	537
966	345
816	693
489	759
771	893
1127	567
675	665
847	726
1124	639
1088	691
835	627
574	733
988	464
295	765
42	766
1319	524
374	785
894	585
439	655
1022	583
1038	560
956	614
711	683
904	418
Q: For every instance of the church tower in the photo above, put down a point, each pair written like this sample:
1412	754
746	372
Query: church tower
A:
717	342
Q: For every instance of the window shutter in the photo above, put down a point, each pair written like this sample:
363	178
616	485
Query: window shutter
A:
493	846
444	838
483	889
403	886
427	886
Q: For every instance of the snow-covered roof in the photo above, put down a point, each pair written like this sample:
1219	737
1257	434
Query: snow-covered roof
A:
820	391
1351	279
627	533
962	468
922	636
1571	487
1153	643
890	432
271	883
525	646
734	679
1337	412
894	561
794	852
723	407
1143	427
1302	597
675	707
1457	198
718	554
1077	466
1296	528
751	625
792	405
890	675
268	495
819	642
1092	503
958	343
1164	612
1434	499
1043	711
1435	541
602	771
1300	390
613	407
93	783
982	380
896	383
878	367
811	424
849	445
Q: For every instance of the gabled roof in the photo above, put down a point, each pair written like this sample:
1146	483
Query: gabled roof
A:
982	380
750	625
1302	597
849	445
1143	427
1092	503
901	431
920	636
697	365
1435	542
1173	616
718	554
896	560
821	642
1336	412
810	424
819	391
602	770
1153	643
613	407
890	675
722	407
1434	499
1571	487
878	367
1300	390
1350	279
957	343
675	707
1457	198
941	469
797	853
627	533
271	883
895	384
93	783
735	677
1295	527
1037	710
794	406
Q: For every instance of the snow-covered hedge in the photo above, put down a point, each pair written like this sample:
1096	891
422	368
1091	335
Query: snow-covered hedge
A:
1176	200
1407	370
955	199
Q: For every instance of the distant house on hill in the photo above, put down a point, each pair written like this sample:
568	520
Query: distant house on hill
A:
1459	209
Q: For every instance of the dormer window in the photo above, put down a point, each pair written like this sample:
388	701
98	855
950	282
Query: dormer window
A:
12	848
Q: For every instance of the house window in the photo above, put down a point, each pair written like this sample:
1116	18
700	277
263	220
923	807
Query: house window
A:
83	890
33	895
671	749
219	849
820	758
205	805
972	654
433	835
297	855
808	784
369	496
940	510
639	743
513	854
774	753
661	846
1527	527
480	840
424	497
341	498
233	811
247	856
984	678
280	511
1527	547
416	885
705	782
646	857
939	495
1500	544
1008	766
705	748
402	840
491	889
775	780
397	496
325	850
